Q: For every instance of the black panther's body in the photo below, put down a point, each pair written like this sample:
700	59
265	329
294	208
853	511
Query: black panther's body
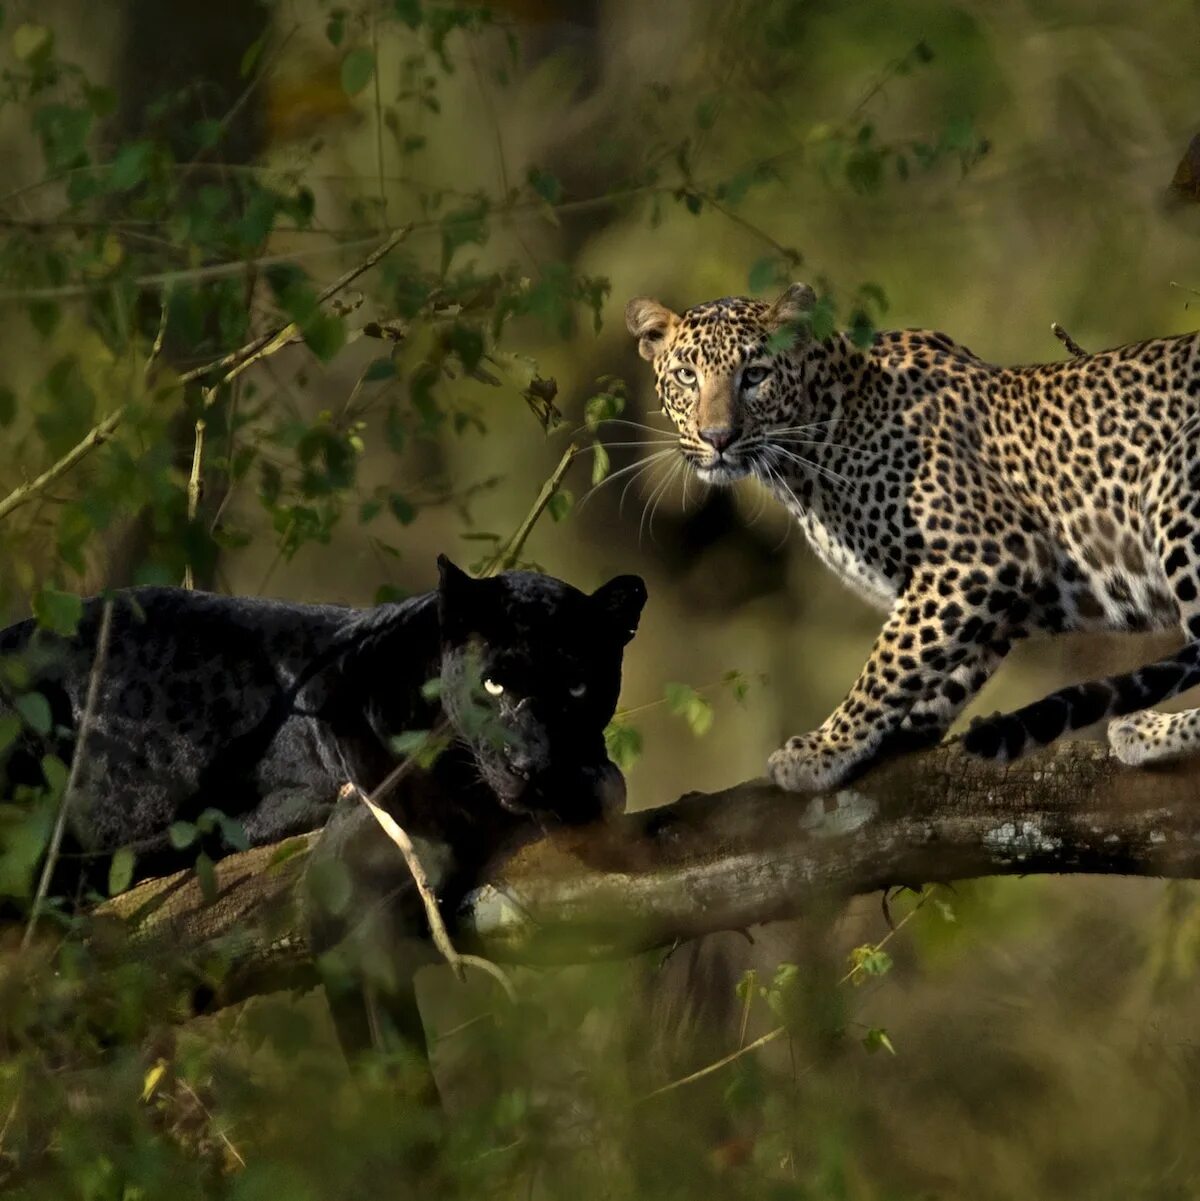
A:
265	710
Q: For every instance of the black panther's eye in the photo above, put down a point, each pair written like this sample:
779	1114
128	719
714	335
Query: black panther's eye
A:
753	376
578	691
492	688
685	376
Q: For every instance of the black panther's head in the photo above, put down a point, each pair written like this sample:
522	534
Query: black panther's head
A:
531	669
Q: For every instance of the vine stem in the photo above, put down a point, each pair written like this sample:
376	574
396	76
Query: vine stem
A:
97	435
64	805
250	352
505	559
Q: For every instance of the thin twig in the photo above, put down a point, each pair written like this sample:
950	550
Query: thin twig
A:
165	279
193	492
378	122
98	434
1066	339
159	337
779	1031
207	1113
77	760
223	126
437	928
253	347
505	559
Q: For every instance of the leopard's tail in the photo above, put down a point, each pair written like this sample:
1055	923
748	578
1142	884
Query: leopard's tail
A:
1010	735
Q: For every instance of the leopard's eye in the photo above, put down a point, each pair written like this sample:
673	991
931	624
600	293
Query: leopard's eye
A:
578	691
753	376
685	376
492	688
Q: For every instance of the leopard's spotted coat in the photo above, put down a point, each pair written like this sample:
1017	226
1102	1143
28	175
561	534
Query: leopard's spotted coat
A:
976	504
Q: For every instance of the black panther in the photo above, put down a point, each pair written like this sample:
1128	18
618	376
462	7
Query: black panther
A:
266	710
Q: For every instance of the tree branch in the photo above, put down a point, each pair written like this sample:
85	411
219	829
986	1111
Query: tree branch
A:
732	859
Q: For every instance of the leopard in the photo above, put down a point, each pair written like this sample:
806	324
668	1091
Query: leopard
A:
975	505
243	721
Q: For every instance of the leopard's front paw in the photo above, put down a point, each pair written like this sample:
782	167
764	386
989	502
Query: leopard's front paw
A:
807	764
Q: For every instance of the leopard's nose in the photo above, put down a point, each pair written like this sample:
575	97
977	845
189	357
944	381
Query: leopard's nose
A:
720	437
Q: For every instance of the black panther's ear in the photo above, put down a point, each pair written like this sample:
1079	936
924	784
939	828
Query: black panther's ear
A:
620	602
456	599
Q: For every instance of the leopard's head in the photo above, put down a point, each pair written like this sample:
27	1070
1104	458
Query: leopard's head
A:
727	372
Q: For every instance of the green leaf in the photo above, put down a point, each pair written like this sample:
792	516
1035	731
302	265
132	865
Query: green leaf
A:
182	834
8	406
120	870
252	54
408	11
101	100
421	746
600	463
129	168
335	28
546	185
876	1039
684	701
357	68
402	510
606	405
706	112
747	985
287	850
58	612
869	961
63	130
32	43
45	316
379	369
467	343
861	329
206	874
623	743
10	727
233	832
325	335
766	273
737	683
462	227
329	884
56	773
559	505
35	709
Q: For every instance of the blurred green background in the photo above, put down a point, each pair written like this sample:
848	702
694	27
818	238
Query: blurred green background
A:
983	168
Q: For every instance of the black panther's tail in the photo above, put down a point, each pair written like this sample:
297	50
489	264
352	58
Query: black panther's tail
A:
1010	735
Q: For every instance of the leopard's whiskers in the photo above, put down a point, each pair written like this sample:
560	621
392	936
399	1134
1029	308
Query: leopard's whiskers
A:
809	464
655	499
638	466
637	425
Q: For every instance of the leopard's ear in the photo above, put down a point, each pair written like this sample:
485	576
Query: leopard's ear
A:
792	310
650	323
619	604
